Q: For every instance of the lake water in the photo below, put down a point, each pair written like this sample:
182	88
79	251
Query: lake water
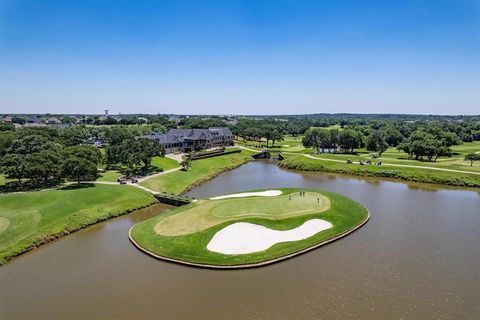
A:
417	258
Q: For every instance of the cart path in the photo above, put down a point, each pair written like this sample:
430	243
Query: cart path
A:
396	165
383	163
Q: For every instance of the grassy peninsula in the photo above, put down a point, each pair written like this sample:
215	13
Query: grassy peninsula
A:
183	234
30	219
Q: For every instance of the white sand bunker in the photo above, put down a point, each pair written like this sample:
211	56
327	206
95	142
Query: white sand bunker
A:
267	193
244	237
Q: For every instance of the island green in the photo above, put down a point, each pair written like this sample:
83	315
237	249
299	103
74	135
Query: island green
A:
182	235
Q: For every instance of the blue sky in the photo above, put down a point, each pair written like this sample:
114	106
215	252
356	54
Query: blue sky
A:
240	57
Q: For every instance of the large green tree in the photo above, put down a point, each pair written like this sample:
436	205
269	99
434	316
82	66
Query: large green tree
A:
376	142
32	157
81	162
316	138
472	157
423	144
135	152
349	139
73	136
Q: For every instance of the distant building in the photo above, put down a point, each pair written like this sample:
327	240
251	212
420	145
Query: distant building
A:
188	140
175	119
232	121
96	142
53	121
7	119
170	142
34	122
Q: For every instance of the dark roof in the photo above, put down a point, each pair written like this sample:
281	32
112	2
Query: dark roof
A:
33	120
191	134
222	131
163	138
195	134
53	120
179	132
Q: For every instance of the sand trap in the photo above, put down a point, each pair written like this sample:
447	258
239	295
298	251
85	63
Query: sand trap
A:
268	193
244	237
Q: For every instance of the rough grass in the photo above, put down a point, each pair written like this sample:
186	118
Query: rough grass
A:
200	171
300	162
164	163
109	176
345	214
35	218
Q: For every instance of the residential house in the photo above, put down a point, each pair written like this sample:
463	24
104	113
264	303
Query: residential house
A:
53	121
34	122
7	119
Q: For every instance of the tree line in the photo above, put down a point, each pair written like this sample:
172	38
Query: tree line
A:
422	144
47	156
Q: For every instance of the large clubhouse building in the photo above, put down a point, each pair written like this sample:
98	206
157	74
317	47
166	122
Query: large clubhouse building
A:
188	140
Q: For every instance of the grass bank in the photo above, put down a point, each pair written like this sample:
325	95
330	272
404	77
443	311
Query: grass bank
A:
200	171
164	163
28	220
300	162
183	234
158	164
392	155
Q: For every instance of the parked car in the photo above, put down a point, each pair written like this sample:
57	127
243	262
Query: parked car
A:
123	181
349	161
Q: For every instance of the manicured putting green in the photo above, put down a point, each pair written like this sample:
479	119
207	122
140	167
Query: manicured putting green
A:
184	234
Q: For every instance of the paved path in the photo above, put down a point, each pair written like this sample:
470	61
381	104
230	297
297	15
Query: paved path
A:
249	149
396	165
141	179
128	184
177	157
383	163
158	174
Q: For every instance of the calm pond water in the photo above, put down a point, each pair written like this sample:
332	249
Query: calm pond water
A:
417	258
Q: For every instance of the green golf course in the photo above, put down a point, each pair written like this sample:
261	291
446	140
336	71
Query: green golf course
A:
201	170
187	234
30	219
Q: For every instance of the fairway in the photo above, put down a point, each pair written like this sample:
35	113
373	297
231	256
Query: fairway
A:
30	219
184	234
213	212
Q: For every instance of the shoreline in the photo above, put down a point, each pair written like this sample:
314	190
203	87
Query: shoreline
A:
212	176
53	237
412	184
366	174
247	265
